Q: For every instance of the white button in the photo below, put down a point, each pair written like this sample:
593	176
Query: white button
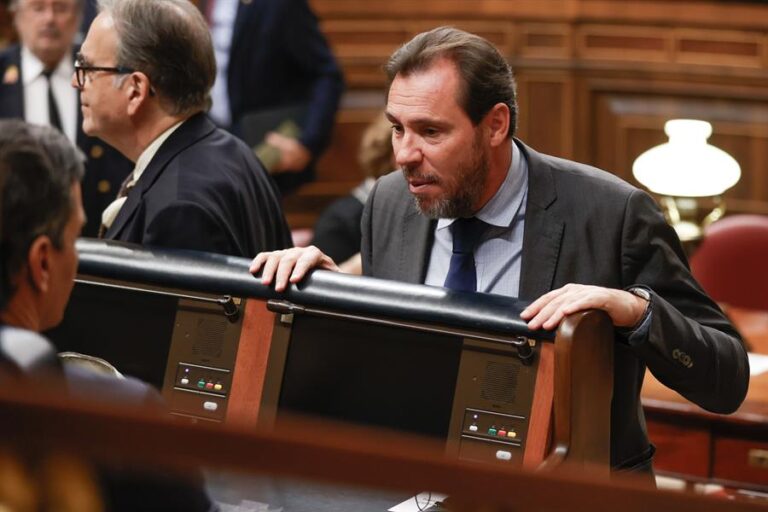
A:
210	406
185	381
503	455
473	428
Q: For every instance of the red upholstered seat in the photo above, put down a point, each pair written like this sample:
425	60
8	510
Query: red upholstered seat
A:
732	261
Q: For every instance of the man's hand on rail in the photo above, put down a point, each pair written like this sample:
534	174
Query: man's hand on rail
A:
625	309
289	265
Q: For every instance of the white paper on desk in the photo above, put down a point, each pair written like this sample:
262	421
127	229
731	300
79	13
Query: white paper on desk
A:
758	363
419	502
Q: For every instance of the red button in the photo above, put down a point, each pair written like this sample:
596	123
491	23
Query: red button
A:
209	385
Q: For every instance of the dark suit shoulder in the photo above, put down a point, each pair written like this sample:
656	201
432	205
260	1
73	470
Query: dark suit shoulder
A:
574	174
10	54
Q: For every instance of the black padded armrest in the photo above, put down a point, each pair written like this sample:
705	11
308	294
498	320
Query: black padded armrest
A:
358	295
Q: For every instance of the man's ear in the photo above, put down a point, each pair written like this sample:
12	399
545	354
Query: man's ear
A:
139	90
39	263
497	123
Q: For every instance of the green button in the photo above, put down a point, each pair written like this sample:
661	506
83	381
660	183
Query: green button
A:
201	383
491	431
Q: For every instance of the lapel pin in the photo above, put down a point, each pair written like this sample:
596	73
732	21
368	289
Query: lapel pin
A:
11	75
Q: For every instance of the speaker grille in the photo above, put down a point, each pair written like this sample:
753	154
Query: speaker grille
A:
209	337
500	382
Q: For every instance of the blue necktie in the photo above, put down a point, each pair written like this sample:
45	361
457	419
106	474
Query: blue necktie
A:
466	235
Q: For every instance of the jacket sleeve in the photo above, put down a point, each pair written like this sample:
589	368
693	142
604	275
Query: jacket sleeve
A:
691	346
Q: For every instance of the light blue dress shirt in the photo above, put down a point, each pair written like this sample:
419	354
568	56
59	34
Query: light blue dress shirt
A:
498	256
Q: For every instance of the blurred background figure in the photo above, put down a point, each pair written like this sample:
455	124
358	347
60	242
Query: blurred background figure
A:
337	232
35	86
276	77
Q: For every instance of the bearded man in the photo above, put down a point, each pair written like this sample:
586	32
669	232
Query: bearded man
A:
476	210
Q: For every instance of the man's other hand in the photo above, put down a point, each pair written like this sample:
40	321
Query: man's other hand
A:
625	309
289	265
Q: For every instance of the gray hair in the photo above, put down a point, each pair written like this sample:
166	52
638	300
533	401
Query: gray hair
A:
486	77
169	41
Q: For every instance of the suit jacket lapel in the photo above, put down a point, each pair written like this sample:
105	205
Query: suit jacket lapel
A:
418	234
192	130
11	96
543	229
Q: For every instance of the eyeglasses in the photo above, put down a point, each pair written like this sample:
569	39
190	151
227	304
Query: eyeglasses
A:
81	68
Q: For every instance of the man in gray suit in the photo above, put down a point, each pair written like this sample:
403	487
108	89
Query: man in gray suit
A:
567	236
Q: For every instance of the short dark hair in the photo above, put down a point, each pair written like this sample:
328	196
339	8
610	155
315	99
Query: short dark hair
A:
38	166
169	41
486	77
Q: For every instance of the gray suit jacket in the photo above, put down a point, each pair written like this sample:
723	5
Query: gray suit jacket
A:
586	226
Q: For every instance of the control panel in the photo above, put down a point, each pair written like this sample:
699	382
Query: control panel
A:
492	403
203	379
493	426
201	360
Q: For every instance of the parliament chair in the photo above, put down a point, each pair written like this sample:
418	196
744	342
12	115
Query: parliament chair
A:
731	261
462	368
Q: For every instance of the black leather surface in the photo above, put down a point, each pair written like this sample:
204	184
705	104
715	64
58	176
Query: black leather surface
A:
228	275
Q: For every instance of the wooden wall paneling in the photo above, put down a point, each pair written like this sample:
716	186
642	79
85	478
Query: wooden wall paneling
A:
546	105
544	40
719	47
623	43
625	121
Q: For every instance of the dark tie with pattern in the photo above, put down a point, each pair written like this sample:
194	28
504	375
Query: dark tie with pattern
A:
466	235
53	109
126	187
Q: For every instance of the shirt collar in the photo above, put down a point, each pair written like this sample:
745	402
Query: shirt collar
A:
503	207
149	152
32	67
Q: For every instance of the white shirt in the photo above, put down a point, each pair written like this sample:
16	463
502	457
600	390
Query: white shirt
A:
222	27
110	212
36	92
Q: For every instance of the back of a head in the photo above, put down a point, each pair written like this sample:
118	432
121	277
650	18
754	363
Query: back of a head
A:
169	41
486	77
375	154
38	166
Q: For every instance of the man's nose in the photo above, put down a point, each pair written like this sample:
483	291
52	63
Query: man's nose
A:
49	13
407	151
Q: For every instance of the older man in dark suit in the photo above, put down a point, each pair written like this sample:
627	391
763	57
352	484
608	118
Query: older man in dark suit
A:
42	62
476	210
144	73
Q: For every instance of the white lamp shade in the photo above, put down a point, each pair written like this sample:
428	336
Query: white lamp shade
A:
687	166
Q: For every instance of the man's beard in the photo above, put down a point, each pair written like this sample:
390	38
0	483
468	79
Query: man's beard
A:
469	181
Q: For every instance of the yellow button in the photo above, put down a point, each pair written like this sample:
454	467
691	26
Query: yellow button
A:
217	387
511	434
97	151
104	186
